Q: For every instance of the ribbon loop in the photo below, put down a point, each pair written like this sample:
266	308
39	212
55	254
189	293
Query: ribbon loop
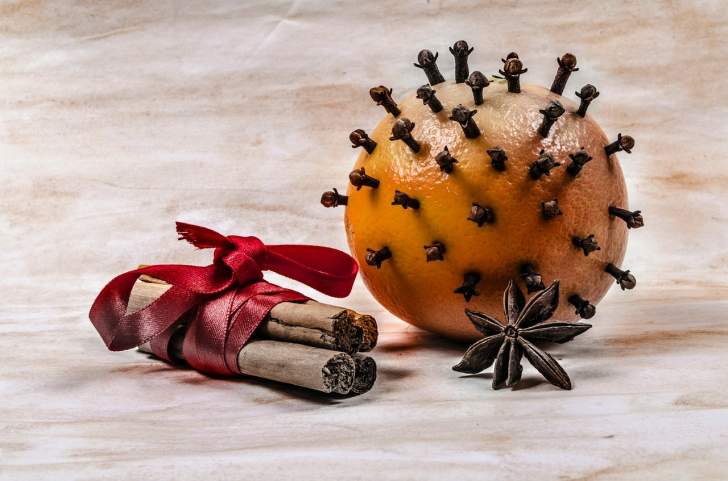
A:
227	299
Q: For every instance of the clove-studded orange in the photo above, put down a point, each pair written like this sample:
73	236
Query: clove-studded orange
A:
501	164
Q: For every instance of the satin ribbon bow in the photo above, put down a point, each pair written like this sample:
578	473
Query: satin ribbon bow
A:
230	297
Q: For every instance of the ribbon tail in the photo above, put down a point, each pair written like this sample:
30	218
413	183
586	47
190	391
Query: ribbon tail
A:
121	331
327	270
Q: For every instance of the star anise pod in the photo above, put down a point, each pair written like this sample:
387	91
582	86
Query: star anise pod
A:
505	345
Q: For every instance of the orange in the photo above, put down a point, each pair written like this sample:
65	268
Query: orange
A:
421	292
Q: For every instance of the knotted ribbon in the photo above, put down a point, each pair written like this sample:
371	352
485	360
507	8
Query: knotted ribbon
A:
229	297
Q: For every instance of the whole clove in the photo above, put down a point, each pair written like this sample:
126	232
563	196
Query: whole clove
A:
498	158
577	162
551	113
623	278
359	138
402	130
587	244
383	96
587	94
461	51
359	179
427	61
435	251
464	116
625	143
512	71
567	64
633	219
531	278
477	82
332	198
445	160
375	258
584	308
542	165
427	95
550	209
481	215
467	289
407	202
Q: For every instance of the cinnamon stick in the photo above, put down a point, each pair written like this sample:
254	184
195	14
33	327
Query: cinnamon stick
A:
311	323
307	366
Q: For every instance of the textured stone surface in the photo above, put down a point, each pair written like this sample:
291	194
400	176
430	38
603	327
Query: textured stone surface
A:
119	117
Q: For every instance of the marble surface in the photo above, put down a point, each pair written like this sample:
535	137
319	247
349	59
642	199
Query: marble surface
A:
119	117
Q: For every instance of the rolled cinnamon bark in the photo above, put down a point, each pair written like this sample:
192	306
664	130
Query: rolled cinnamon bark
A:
311	323
276	359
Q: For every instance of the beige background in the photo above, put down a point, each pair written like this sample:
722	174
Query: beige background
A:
117	118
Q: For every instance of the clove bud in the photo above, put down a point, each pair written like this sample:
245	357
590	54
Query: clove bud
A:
435	251
464	116
577	162
477	82
634	219
625	143
587	244
427	95
375	258
481	215
383	96
461	51
512	70
428	62
400	198
584	308
402	130
567	64
623	278
550	209
542	165
467	289
587	94
359	179
531	278
445	160
550	114
498	158
332	198
359	138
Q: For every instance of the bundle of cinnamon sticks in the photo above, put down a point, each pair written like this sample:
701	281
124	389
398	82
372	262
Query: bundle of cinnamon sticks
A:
311	345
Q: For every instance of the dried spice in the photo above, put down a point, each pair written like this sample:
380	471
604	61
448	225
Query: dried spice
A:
464	116
633	219
435	251
625	143
467	289
332	198
461	51
584	308
550	209
551	113
542	165
512	70
445	160
577	162
428	63
383	96
427	95
586	244
359	179
506	344
587	94
477	82
402	130
624	278
359	138
567	64
407	202
532	279
481	215
498	158
375	258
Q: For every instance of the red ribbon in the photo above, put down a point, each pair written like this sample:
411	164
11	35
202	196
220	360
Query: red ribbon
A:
230	296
